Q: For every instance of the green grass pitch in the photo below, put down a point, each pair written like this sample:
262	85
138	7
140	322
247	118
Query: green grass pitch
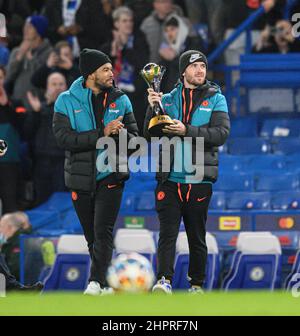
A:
214	303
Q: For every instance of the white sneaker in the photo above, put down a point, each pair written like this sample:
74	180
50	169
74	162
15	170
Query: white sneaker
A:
195	290
162	285
107	291
93	288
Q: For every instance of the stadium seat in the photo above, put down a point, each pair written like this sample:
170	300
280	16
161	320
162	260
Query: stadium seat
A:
256	263
44	219
294	276
247	146
281	128
180	280
248	201
218	201
286	146
268	162
234	182
71	268
233	163
276	182
293	163
59	201
284	200
128	202
145	201
136	240
243	127
71	223
269	72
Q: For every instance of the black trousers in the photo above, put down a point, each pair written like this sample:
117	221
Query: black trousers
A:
190	202
97	214
9	175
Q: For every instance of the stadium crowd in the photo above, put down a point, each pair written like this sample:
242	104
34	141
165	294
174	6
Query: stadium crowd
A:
39	50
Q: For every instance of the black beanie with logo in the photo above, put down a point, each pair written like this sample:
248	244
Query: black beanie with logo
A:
90	60
190	57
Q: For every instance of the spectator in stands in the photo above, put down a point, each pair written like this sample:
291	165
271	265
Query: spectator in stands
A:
48	170
59	60
230	15
176	40
15	12
203	12
83	23
277	39
11	226
152	26
140	8
129	52
28	57
11	121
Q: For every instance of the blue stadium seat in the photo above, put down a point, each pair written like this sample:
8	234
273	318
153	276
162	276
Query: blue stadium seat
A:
233	163
145	201
180	280
218	201
286	200
293	162
281	127
247	146
243	127
286	146
234	182
256	264
248	201
137	183
277	182
269	71
71	223
269	162
128	201
59	201
294	277
44	219
70	271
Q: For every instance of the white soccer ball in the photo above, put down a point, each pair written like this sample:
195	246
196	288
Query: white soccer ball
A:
130	273
3	147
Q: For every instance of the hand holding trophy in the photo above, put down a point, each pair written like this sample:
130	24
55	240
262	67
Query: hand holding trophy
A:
153	74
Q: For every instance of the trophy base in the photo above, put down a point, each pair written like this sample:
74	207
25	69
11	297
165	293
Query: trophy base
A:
157	123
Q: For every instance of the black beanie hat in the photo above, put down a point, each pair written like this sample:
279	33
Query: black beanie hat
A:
90	60
190	57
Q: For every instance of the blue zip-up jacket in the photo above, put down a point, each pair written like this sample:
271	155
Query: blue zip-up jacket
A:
208	119
75	129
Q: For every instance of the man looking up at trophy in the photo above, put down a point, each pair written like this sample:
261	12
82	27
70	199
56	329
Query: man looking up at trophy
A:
92	108
198	109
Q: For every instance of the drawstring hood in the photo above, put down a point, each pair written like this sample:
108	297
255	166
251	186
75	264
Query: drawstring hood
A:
187	194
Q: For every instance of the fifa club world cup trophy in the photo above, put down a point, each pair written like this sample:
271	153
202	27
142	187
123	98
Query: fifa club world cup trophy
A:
153	74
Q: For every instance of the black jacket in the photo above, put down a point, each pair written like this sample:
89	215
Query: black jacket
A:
80	147
215	133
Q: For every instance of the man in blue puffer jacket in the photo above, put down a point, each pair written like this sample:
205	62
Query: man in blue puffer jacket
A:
198	109
90	109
